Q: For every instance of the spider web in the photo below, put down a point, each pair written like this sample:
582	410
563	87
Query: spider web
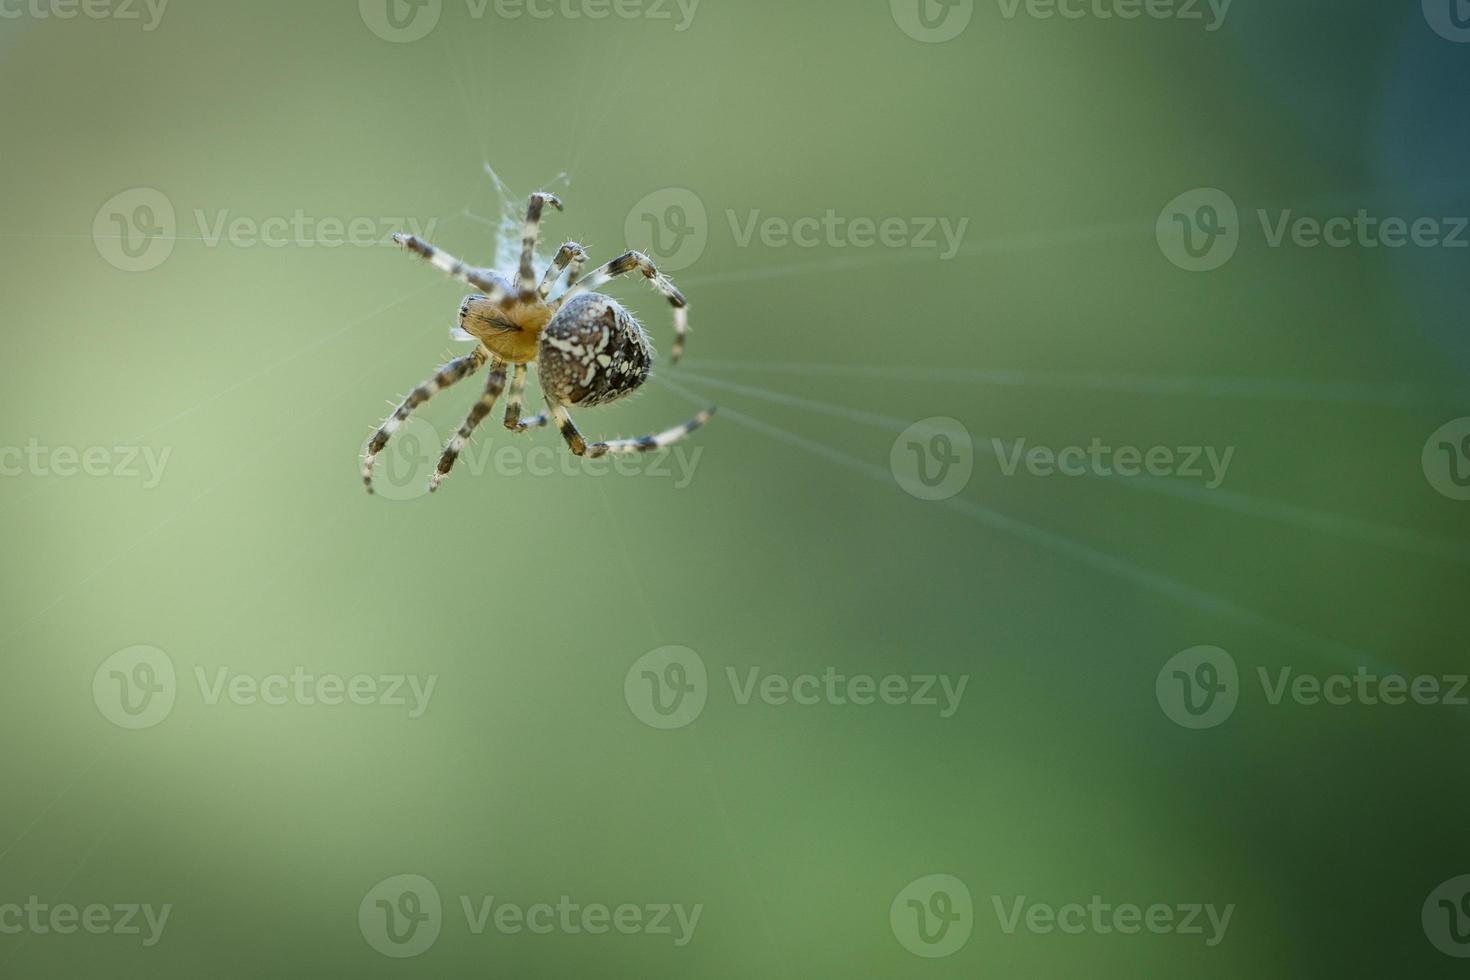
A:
507	227
504	204
503	220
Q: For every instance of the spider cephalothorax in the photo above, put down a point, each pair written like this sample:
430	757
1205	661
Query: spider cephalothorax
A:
588	350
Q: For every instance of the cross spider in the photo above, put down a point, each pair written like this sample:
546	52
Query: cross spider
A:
588	349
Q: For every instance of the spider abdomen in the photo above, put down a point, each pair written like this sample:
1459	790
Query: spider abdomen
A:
593	352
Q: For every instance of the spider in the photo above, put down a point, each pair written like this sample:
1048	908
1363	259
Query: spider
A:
588	350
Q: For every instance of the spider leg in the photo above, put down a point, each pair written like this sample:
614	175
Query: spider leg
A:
526	279
445	262
574	271
571	254
643	444
455	370
624	264
494	385
513	420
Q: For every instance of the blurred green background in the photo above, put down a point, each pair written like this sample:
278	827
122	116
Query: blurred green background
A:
793	547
